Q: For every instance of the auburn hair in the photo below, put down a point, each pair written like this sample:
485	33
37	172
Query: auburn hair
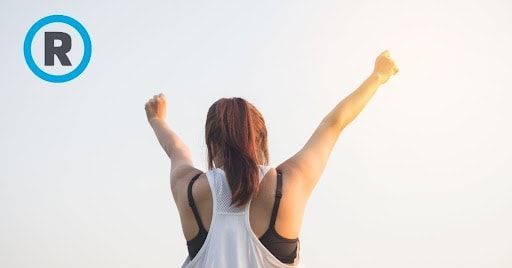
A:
236	135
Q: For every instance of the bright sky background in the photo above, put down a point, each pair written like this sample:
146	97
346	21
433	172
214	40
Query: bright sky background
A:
422	178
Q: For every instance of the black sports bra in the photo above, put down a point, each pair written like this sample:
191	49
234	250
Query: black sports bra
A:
284	249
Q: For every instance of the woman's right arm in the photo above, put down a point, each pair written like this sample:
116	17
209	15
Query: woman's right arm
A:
307	165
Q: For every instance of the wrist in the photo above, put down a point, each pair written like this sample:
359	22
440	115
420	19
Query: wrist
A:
156	121
378	77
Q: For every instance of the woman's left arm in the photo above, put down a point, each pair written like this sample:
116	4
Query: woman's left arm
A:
174	147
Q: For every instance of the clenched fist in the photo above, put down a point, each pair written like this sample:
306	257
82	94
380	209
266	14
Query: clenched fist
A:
385	67
156	107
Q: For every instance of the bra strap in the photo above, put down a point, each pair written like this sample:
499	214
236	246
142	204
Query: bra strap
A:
192	204
279	186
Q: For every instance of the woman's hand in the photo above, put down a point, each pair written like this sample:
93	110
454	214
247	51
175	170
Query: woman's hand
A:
385	67
156	108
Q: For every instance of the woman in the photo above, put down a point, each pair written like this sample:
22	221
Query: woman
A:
242	212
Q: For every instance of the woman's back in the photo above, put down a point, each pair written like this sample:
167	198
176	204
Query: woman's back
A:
236	236
236	135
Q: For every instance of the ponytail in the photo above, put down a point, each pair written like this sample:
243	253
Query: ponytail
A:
236	134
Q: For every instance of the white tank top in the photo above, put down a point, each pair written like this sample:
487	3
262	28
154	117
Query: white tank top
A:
230	241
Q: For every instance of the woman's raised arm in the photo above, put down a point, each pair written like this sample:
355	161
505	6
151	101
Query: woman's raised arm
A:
174	147
308	164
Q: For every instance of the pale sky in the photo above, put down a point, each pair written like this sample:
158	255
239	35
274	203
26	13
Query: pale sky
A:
422	178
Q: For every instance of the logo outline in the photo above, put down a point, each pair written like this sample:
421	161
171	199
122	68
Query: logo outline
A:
27	48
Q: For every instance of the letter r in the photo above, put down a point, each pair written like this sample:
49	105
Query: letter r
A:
50	49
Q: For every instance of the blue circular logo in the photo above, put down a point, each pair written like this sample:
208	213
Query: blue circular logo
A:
27	48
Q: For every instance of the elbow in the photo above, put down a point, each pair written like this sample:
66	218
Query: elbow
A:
337	122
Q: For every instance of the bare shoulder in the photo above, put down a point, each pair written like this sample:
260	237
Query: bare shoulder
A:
180	179
292	177
202	197
292	203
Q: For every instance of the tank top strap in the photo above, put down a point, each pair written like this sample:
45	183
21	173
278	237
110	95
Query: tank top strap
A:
223	195
263	171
